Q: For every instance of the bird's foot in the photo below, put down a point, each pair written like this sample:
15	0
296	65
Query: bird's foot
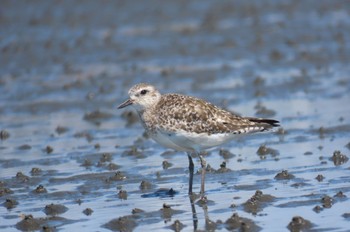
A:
203	199
202	202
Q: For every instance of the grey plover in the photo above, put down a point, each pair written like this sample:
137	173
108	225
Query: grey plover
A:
189	124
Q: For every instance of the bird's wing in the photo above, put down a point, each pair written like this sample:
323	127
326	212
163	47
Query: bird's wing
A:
198	116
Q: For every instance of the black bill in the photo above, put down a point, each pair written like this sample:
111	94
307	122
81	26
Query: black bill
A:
126	103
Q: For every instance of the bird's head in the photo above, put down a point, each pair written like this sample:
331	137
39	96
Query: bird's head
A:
142	96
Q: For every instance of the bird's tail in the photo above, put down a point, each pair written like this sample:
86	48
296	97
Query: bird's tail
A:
265	123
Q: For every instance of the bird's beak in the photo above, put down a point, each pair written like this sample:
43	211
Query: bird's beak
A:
126	103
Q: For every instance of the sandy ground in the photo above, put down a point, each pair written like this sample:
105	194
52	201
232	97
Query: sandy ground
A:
70	161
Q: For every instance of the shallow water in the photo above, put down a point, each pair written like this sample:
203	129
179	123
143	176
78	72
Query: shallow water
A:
65	68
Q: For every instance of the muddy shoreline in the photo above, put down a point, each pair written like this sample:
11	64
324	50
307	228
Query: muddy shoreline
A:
70	161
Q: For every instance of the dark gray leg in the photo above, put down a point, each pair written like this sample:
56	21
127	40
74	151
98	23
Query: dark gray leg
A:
204	165
194	214
191	168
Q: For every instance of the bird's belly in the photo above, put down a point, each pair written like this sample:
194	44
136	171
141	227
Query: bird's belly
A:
164	140
186	141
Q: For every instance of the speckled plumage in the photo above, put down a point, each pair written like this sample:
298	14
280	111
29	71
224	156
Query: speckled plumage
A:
198	116
187	123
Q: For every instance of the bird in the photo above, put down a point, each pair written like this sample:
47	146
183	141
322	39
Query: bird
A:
189	124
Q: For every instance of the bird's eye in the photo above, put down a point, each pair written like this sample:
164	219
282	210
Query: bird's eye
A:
143	92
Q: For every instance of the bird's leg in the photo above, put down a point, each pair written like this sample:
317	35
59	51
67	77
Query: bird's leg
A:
191	168
194	213
204	165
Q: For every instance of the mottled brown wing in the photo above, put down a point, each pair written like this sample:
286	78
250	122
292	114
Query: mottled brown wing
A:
198	116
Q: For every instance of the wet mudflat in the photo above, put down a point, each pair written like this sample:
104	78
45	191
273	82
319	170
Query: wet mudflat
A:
70	161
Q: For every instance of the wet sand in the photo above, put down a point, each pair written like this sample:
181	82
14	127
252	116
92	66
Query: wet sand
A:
71	161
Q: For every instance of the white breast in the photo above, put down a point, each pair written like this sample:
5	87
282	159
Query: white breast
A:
185	141
166	141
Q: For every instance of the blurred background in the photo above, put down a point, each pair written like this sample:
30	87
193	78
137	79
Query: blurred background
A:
66	65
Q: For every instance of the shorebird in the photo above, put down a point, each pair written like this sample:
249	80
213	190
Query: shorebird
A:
189	124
